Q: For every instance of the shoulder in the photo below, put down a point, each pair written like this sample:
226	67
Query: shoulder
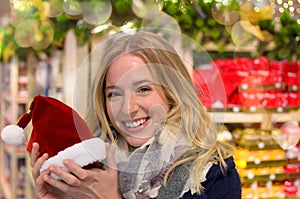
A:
218	184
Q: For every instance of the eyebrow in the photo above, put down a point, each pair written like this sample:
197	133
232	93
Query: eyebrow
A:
142	82
137	83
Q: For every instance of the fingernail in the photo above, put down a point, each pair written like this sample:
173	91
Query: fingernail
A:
66	161
46	178
51	169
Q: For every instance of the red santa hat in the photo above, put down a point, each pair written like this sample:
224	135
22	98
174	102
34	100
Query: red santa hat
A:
56	127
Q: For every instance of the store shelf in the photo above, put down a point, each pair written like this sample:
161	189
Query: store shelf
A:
13	105
249	170
261	164
231	117
19	152
286	117
7	98
11	169
5	186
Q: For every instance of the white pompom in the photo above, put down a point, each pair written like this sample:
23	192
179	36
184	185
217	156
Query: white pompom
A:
13	135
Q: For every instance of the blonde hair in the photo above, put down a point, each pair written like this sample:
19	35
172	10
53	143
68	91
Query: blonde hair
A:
187	115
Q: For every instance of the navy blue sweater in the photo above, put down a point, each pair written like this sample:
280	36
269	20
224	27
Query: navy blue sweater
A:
218	185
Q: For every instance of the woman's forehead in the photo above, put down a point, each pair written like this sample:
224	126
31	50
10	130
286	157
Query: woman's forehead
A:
128	69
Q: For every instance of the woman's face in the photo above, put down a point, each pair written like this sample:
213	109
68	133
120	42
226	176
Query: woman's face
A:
134	102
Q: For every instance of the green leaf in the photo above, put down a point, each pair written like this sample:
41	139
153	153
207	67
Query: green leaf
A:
122	7
199	22
215	33
267	25
186	21
211	22
171	9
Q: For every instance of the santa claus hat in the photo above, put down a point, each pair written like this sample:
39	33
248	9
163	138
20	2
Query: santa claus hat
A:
55	127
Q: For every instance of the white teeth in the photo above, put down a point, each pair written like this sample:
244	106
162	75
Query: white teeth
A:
135	124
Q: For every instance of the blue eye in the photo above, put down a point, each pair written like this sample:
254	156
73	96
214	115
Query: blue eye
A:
113	94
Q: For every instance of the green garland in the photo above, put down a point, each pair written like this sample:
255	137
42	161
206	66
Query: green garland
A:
195	19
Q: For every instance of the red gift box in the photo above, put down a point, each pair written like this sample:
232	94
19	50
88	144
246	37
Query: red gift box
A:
293	99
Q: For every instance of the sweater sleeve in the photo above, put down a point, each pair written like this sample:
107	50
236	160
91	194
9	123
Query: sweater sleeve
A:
218	185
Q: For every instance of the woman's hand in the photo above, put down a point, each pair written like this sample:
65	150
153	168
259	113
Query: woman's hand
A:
42	189
35	163
81	183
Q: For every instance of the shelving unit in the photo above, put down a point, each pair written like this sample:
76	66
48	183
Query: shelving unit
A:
265	119
254	170
13	105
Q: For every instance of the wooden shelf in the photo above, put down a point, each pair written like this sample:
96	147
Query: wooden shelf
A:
13	158
266	119
286	117
7	98
230	117
5	186
19	152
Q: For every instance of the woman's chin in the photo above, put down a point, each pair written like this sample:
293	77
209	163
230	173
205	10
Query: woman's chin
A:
136	142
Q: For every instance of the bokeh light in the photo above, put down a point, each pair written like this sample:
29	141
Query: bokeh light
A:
162	21
21	5
96	12
290	6
23	32
240	36
56	8
43	34
72	7
33	33
147	8
224	16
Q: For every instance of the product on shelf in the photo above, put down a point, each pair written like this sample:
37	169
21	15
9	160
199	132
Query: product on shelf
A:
251	84
260	162
263	192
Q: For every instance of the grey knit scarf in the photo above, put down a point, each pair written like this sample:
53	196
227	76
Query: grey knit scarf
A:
143	172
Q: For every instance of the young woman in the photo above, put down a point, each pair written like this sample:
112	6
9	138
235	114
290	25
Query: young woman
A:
162	141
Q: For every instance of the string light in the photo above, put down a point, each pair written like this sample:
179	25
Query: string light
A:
279	6
290	6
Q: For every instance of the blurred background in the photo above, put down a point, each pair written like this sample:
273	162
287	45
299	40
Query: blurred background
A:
243	56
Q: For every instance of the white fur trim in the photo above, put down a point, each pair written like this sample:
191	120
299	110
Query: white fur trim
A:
83	153
13	135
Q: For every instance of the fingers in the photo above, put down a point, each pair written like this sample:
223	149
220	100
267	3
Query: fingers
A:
84	174
34	153
59	184
40	184
66	176
37	166
46	183
35	162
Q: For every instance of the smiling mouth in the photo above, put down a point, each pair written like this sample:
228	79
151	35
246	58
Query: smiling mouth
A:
137	123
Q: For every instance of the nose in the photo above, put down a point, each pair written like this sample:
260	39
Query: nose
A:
130	105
